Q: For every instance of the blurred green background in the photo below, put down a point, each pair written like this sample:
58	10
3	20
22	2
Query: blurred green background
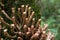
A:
47	10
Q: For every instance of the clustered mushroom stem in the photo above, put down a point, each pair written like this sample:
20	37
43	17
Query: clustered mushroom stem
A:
38	23
24	17
32	28
52	37
7	34
29	11
1	39
19	10
29	19
45	27
31	16
13	19
22	8
15	24
13	11
4	21
33	21
26	9
6	14
43	36
19	14
1	4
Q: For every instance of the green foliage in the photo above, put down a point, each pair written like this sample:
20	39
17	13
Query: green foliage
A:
51	15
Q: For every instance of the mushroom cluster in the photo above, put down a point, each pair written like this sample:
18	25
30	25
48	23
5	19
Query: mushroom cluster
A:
23	26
